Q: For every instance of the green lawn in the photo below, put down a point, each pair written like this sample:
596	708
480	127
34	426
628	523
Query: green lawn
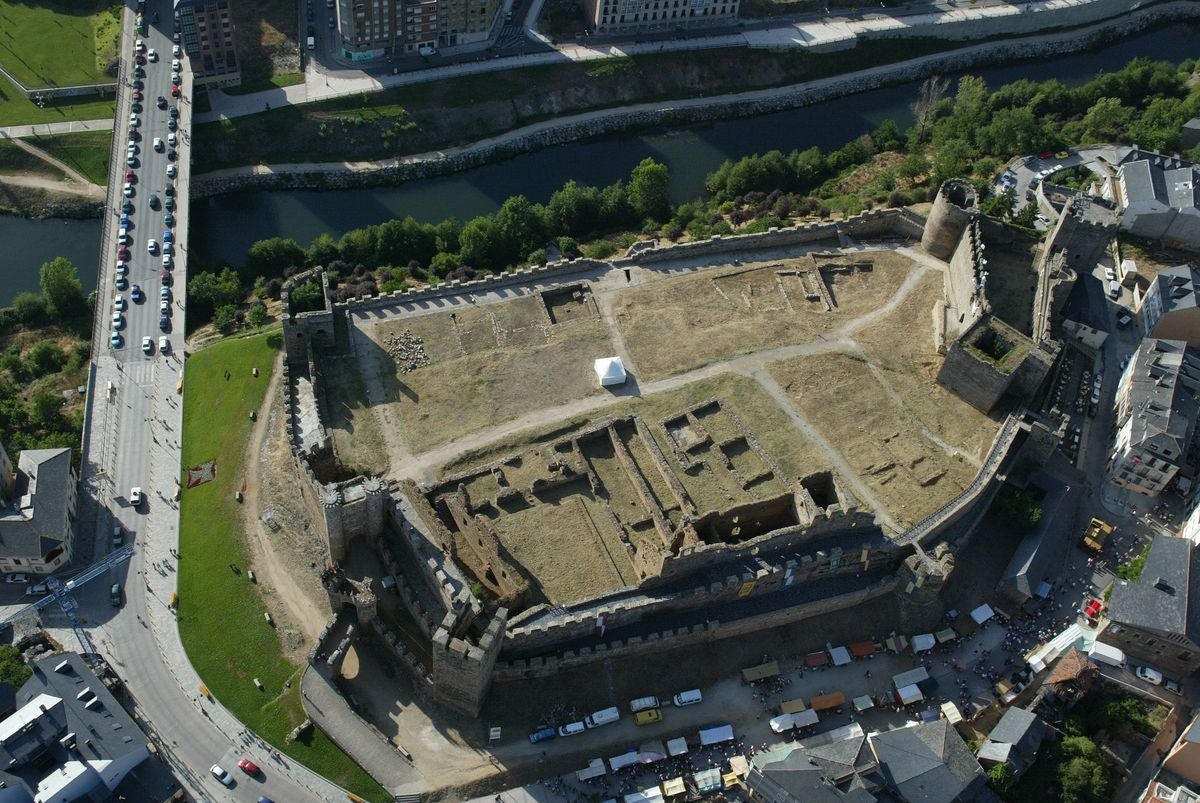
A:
87	152
15	109
220	613
13	160
59	43
274	82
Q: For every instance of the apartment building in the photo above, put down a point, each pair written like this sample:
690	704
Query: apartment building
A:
37	511
1156	411
644	16
1170	309
206	28
372	29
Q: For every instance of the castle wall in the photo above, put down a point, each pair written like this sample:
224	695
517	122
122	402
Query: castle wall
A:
962	285
952	210
976	381
462	671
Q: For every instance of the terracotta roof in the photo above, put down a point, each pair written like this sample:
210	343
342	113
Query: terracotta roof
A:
1069	668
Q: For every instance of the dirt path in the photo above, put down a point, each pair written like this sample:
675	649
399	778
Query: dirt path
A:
290	603
53	185
71	172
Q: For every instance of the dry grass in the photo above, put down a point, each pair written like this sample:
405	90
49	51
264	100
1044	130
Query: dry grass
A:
909	365
882	442
357	438
561	547
489	364
679	324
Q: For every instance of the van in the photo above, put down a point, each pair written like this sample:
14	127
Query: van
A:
571	728
689	697
312	43
118	536
642	704
602	717
647	717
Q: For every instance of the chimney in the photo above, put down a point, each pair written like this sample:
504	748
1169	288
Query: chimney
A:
1163	585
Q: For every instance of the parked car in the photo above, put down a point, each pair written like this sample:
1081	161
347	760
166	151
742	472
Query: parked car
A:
1149	674
1172	686
16	578
147	345
249	767
221	775
164	345
135	496
37	590
542	735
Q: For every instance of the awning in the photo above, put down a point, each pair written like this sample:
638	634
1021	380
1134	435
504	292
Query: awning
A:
652	751
951	713
677	747
673	787
594	769
923	642
896	643
861	649
983	613
708	780
624	760
909	694
649	795
760	672
716	735
863	703
729	780
815	659
911	677
840	655
792	706
945	635
800	719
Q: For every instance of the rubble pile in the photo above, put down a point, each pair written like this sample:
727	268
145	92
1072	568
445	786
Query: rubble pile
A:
407	350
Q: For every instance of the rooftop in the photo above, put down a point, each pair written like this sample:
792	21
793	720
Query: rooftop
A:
1041	547
35	520
1166	598
1162	398
927	762
1151	176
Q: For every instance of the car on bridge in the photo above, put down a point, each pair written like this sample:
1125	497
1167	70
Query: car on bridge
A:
115	340
118	320
137	295
222	775
135	496
147	345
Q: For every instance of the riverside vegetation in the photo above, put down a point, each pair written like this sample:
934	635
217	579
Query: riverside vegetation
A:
970	133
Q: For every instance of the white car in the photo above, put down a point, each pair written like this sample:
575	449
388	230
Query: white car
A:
176	51
127	189
115	340
164	306
16	578
152	54
172	139
221	775
158	143
171	171
152	246
164	345
1150	675
122	268
139	46
119	303
167	261
118	320
135	496
147	345
175	65
134	122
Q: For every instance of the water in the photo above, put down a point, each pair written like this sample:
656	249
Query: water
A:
29	243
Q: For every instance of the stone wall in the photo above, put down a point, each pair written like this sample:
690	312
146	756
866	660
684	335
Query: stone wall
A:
698	634
462	670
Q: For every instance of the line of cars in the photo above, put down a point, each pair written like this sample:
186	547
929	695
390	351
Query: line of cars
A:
645	710
143	56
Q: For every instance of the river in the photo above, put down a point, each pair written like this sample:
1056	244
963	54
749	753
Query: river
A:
224	227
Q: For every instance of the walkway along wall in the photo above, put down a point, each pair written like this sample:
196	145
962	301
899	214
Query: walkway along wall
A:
678	113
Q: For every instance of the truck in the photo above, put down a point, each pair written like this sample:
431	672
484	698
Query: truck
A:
602	717
1101	653
1096	535
312	43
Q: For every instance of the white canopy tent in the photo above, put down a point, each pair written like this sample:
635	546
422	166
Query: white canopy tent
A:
716	735
923	642
839	655
982	613
610	371
624	760
594	769
677	746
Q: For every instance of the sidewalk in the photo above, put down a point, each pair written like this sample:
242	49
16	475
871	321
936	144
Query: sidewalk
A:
46	129
810	35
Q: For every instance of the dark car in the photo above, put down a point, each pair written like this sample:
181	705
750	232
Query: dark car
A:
542	735
168	219
169	190
164	323
140	59
137	84
165	278
137	295
153	201
162	102
127	207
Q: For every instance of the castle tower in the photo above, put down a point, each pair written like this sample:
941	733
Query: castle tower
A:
373	487
461	671
952	210
331	504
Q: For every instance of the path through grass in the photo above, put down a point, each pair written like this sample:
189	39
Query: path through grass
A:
220	613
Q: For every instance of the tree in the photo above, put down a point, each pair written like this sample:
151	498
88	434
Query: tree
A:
212	290
1017	508
306	297
271	256
1106	120
13	669
573	209
1083	773
519	228
933	89
29	308
225	318
999	206
358	246
321	251
257	315
887	136
61	289
478	244
1000	777
43	412
649	194
47	357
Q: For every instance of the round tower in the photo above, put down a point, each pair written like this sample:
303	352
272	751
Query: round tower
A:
374	489
331	504
952	210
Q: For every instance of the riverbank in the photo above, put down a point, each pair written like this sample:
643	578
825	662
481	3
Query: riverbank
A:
662	114
37	198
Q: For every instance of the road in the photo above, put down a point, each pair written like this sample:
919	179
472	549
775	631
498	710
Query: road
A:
132	437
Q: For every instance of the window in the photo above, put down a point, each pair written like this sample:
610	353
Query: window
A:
1186	655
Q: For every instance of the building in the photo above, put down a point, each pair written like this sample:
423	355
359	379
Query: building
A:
37	511
1170	308
1156	412
372	29
1159	198
68	739
206	27
1189	135
1166	789
1183	760
841	769
1042	547
643	16
1014	741
928	763
1156	619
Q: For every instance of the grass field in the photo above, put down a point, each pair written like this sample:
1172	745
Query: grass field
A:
59	43
686	322
87	152
14	161
15	109
215	603
273	82
489	364
356	434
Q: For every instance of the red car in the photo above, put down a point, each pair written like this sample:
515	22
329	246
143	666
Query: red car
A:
137	94
1046	155
130	176
123	254
141	60
175	91
247	766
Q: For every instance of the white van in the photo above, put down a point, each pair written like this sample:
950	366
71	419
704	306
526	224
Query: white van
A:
602	717
571	728
643	704
689	697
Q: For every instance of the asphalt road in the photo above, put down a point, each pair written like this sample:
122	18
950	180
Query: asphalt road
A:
134	441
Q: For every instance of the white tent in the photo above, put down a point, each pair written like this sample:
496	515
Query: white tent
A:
951	713
594	769
649	795
909	694
800	719
716	735
610	371
982	613
623	760
863	702
923	642
839	655
677	746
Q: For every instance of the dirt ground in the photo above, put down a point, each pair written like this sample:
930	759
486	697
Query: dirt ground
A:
674	325
357	435
286	561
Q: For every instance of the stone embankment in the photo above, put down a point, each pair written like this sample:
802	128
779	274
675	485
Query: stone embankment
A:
587	125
